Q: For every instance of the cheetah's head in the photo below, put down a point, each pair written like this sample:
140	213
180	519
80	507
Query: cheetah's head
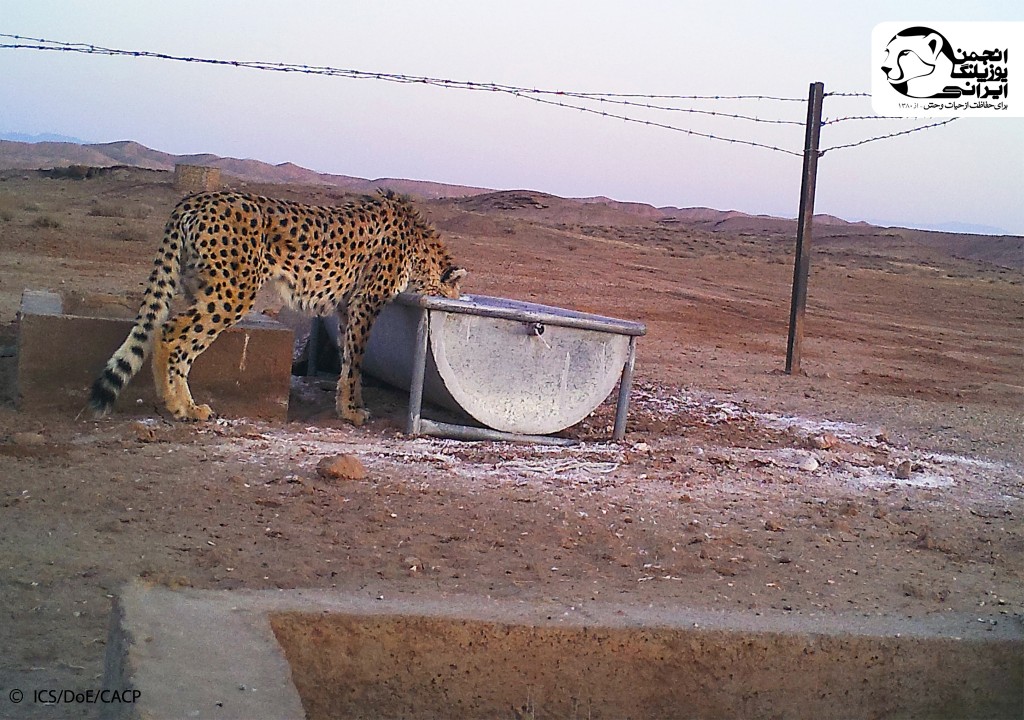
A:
450	280
434	272
439	282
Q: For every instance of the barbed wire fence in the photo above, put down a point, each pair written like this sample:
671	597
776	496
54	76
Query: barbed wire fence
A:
604	104
612	105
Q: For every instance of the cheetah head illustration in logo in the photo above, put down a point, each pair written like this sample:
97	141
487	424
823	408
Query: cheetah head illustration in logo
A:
919	63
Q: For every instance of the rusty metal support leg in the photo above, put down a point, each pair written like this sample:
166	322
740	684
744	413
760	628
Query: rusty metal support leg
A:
467	432
419	368
625	387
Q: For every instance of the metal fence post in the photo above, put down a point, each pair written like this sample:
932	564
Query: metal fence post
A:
802	264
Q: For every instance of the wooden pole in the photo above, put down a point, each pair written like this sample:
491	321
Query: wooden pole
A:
802	265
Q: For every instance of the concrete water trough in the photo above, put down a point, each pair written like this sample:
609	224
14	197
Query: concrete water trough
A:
521	370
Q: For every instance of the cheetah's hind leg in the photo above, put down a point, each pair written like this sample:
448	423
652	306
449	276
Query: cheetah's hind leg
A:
171	366
184	339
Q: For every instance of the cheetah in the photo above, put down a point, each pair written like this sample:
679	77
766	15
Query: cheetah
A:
220	248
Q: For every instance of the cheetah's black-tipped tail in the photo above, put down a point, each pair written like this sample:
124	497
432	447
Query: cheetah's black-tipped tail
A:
109	385
127	360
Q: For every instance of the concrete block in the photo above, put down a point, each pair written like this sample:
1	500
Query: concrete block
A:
62	348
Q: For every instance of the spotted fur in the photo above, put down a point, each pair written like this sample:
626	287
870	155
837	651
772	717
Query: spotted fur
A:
221	248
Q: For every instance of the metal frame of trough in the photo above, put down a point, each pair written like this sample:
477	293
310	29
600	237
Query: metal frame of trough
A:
416	424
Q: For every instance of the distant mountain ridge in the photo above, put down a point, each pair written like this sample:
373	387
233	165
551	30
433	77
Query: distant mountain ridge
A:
44	155
1006	250
40	137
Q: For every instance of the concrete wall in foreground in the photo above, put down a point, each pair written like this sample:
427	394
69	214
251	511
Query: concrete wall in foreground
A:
212	654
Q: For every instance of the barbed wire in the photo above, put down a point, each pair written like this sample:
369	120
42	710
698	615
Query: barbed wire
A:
538	95
649	106
865	141
833	121
698	97
44	44
663	126
885	137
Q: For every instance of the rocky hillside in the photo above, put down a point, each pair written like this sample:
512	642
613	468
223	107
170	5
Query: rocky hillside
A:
44	155
1005	251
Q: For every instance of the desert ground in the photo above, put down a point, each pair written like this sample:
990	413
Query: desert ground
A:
886	479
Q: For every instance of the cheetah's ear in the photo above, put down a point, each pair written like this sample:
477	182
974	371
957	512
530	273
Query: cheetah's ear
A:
454	274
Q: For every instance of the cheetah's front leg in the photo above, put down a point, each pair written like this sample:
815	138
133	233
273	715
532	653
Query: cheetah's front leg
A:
356	320
349	398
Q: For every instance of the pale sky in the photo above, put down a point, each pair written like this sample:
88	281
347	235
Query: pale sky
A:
967	172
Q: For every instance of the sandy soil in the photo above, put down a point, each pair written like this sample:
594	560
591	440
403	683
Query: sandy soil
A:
885	480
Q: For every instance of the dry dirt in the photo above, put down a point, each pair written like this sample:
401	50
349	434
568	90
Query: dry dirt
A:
885	480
